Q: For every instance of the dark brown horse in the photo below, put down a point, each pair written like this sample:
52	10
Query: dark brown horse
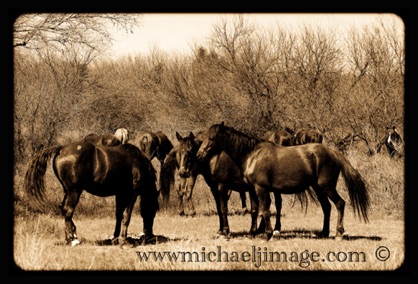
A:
304	136
102	171
280	137
219	172
154	145
268	167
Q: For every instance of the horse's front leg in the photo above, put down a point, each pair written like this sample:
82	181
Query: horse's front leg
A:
224	196
254	211
67	207
180	194
188	195
216	196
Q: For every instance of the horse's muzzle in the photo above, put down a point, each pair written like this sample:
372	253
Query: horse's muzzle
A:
184	174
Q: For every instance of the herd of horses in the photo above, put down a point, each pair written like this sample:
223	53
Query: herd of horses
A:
279	163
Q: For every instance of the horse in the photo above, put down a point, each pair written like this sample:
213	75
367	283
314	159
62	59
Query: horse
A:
120	137
304	136
268	167
284	137
393	142
155	145
123	172
280	137
219	172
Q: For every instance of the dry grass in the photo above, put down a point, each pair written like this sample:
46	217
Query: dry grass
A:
38	244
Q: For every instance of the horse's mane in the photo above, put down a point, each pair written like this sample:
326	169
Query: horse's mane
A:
239	144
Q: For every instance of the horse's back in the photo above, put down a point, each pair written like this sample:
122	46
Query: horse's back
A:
106	139
280	137
99	169
290	168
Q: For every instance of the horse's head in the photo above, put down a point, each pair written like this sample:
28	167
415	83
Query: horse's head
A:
210	142
186	154
394	142
149	145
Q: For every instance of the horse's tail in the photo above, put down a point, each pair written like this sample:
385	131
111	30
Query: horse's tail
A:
34	183
168	169
356	188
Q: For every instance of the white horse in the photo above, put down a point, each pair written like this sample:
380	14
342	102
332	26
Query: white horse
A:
122	135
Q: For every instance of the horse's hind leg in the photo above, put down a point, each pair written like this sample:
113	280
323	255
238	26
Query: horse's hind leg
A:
243	197
326	209
340	205
278	203
254	210
124	206
264	204
67	207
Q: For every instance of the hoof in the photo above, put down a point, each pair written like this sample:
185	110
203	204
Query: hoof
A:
265	236
75	242
119	241
222	237
126	245
276	234
149	239
243	211
254	233
322	236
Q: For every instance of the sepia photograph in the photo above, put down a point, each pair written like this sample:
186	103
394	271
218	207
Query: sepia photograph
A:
208	142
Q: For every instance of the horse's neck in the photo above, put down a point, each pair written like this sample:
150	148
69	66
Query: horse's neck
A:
239	152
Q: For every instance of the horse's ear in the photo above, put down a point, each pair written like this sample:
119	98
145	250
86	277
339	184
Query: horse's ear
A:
221	125
191	135
178	136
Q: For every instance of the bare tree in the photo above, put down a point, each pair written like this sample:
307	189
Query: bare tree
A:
52	55
59	31
376	94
